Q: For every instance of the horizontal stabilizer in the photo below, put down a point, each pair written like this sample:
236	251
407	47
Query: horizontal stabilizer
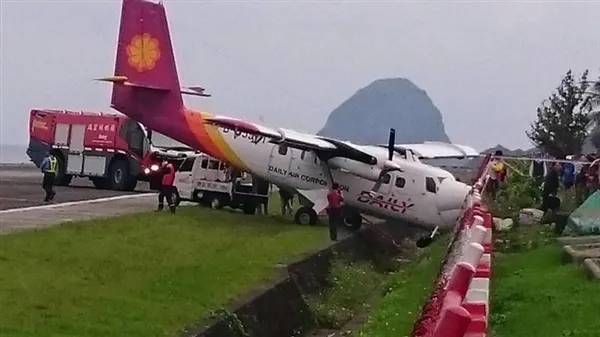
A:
122	80
195	91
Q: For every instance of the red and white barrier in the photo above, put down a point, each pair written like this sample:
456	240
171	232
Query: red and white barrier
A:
459	304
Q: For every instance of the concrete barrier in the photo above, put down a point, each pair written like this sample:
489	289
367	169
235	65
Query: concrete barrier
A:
459	303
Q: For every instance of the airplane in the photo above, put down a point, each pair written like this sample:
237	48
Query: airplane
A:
387	181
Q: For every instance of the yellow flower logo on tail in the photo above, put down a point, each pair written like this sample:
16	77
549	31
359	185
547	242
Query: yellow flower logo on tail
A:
143	52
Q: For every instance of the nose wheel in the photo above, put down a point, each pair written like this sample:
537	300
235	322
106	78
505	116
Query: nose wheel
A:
425	241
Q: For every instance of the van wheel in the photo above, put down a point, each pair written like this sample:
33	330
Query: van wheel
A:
216	202
306	216
197	196
176	198
249	208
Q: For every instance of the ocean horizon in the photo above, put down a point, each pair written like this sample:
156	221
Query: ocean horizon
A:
13	154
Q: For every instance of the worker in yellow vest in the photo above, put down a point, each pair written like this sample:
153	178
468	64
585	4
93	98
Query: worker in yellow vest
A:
49	168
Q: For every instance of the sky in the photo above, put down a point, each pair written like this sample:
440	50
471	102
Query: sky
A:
486	65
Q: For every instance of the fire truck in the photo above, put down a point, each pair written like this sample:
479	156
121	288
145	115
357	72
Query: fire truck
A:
112	150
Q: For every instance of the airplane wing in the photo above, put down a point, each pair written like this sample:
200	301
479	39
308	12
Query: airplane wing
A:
326	147
434	150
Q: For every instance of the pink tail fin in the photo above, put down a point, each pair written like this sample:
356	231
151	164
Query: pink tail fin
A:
149	89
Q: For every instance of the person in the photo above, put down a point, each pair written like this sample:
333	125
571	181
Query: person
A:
550	200
49	167
287	196
538	170
167	188
568	174
261	187
496	173
335	201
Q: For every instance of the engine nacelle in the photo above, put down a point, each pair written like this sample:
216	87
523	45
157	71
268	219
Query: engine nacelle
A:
369	172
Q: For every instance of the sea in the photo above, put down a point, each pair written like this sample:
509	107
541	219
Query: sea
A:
13	154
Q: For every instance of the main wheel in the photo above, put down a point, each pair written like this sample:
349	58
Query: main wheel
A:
306	216
352	220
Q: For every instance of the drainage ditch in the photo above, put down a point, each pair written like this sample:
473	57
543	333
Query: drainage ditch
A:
316	295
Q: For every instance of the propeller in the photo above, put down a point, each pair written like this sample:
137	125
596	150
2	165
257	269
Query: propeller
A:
391	143
389	165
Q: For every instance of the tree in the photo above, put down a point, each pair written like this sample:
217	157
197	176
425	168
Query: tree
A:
593	103
563	118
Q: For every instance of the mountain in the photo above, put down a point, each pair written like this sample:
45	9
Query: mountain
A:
367	116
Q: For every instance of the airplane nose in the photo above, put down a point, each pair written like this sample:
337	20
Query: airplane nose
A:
450	198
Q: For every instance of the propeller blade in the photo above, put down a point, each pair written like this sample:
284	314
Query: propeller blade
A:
391	142
379	181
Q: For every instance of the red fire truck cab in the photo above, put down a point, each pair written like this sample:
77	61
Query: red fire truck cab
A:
113	151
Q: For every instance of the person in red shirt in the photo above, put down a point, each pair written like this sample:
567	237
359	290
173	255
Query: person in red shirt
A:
167	189
335	201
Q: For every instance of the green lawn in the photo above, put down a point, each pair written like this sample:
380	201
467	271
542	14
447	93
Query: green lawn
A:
535	295
139	275
407	291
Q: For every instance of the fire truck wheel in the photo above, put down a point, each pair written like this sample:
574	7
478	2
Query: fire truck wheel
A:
99	183
119	177
62	179
306	216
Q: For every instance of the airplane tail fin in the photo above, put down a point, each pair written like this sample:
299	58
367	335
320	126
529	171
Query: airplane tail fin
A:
145	83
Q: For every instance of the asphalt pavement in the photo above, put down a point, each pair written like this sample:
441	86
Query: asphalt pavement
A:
22	203
21	186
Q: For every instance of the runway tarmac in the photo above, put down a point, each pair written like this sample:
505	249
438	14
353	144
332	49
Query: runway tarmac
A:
21	186
22	206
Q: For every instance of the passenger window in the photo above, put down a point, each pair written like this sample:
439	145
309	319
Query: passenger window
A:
430	185
283	150
213	165
187	165
400	182
386	179
204	163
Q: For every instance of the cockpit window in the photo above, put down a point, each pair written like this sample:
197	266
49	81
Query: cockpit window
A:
430	185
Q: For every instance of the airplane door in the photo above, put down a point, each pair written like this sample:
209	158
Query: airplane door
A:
280	160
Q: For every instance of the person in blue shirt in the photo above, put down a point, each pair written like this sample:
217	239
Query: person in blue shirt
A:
49	167
568	174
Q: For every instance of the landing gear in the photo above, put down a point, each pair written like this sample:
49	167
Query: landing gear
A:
306	216
352	220
427	240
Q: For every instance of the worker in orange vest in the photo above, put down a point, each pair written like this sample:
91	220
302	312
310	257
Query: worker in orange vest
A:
167	189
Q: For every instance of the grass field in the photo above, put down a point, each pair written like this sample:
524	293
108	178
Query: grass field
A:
406	292
140	275
535	295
